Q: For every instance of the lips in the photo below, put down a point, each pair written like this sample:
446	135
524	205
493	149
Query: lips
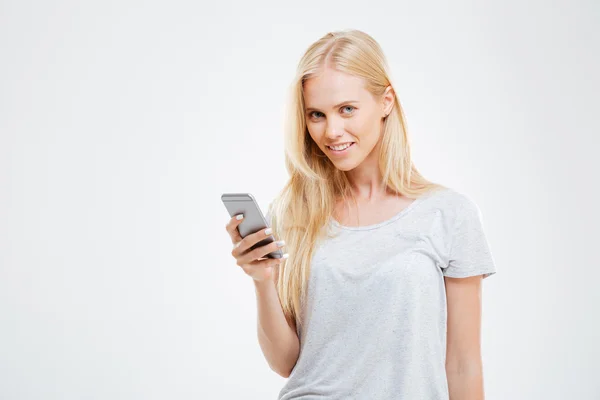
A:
339	145
340	153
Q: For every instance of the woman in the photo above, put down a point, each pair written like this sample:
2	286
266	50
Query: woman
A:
380	296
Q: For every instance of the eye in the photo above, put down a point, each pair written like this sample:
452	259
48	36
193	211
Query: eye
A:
315	114
352	108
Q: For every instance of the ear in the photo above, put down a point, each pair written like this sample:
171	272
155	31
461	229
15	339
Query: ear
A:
388	101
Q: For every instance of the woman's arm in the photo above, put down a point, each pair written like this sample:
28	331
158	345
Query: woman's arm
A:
464	367
277	337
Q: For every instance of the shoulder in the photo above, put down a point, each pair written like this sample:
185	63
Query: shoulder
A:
453	203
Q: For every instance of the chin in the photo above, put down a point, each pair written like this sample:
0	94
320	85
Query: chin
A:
345	165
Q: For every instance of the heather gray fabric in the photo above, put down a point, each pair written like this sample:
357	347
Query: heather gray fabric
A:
376	308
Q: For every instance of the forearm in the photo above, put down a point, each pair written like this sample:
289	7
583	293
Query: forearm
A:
465	383
278	340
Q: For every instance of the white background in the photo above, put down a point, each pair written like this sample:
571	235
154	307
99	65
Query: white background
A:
122	123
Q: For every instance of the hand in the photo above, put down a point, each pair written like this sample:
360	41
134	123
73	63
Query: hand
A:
252	261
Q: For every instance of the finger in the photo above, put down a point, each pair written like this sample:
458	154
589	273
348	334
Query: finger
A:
259	252
232	228
263	264
269	262
243	246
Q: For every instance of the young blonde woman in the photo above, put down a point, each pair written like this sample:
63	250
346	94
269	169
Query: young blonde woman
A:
379	294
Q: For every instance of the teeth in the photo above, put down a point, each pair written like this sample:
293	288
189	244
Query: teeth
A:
342	147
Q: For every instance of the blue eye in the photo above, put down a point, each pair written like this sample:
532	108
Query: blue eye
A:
346	110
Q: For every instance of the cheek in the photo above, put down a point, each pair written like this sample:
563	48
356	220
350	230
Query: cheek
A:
316	131
364	127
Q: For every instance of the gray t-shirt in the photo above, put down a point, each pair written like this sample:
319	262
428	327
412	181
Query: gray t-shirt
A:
375	315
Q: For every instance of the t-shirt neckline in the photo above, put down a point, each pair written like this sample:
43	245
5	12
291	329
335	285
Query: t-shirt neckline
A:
393	218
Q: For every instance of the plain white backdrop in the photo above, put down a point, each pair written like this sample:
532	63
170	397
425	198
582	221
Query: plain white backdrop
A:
122	123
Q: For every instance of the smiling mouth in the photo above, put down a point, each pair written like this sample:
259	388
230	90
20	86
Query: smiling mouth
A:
342	151
341	147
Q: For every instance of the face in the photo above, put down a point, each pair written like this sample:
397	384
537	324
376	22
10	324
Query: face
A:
340	111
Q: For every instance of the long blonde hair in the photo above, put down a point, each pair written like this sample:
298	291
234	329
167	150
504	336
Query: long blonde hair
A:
304	206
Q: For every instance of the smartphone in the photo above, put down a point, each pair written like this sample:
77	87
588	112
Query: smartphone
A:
254	220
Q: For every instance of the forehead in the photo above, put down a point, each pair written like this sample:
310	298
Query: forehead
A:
330	87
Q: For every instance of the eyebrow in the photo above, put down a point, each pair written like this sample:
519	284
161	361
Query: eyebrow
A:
336	106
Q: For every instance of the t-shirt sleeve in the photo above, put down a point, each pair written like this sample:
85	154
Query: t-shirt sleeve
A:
469	252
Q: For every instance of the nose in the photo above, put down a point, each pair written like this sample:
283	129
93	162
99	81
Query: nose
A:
334	129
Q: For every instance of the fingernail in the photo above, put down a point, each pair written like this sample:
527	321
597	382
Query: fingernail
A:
239	216
280	243
286	255
268	231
